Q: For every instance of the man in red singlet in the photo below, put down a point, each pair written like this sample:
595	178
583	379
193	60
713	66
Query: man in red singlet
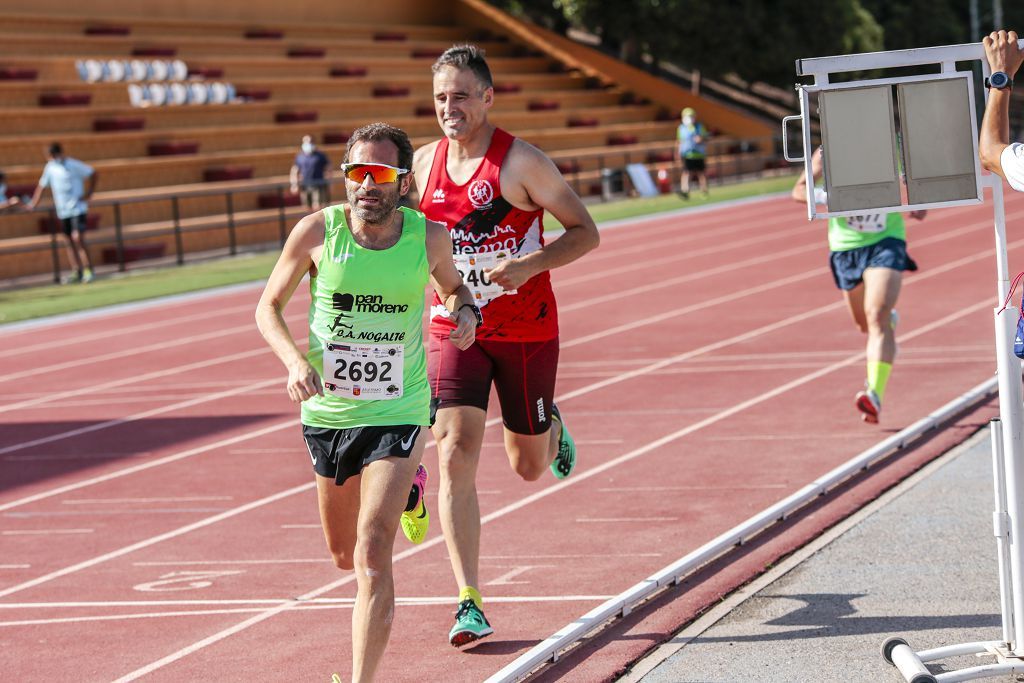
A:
490	190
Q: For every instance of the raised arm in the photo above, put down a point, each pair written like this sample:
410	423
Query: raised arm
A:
1003	54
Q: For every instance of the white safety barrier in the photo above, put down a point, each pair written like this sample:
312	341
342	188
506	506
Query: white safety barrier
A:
621	605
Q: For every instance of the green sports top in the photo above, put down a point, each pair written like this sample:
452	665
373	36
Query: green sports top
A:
366	328
854	232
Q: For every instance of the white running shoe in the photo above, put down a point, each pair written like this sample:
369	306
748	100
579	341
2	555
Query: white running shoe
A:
869	405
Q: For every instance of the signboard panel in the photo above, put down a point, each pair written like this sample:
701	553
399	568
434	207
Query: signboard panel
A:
859	138
938	139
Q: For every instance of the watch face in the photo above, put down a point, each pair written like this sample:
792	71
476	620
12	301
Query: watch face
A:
999	79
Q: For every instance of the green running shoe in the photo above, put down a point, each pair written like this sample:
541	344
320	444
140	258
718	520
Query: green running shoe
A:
470	625
565	462
416	521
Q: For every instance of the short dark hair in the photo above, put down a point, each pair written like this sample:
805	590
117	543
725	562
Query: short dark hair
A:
375	132
466	57
55	149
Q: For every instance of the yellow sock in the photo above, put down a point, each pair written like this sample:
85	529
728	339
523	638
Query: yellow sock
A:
878	376
470	593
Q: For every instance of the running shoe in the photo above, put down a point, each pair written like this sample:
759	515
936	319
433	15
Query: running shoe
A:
416	520
335	678
71	279
87	276
564	463
470	625
869	405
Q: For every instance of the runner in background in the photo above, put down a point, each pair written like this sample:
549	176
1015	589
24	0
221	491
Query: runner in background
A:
490	190
868	255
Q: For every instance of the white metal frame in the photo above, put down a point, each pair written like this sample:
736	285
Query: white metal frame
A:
1007	443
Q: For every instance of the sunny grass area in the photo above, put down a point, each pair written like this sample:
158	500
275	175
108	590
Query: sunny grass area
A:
136	285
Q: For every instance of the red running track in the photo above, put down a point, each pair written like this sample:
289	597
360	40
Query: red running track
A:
158	511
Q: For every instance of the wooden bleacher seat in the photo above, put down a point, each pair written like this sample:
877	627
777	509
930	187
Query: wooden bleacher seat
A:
288	79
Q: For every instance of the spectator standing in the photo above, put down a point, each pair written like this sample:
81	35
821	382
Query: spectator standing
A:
692	152
308	174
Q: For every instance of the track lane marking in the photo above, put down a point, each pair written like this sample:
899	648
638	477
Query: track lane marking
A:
652	367
550	490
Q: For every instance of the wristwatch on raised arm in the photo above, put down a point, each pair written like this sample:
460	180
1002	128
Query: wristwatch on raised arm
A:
999	80
476	312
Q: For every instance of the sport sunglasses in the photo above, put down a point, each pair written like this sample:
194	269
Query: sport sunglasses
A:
382	173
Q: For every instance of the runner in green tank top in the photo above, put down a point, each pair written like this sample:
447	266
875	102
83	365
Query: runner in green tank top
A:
362	383
868	257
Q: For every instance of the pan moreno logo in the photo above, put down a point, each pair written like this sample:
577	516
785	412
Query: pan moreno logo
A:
366	303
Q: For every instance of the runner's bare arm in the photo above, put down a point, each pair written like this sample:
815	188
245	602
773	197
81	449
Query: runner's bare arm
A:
448	284
1002	54
799	193
421	162
295	261
537	183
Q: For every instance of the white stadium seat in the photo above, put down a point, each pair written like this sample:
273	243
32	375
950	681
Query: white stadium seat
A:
179	70
138	95
116	70
199	92
177	94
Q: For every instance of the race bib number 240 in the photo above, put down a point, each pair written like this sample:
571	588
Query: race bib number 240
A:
472	268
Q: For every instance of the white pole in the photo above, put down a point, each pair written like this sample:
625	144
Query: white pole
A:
1011	406
1001	529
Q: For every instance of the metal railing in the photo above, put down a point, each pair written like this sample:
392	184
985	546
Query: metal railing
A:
179	226
727	160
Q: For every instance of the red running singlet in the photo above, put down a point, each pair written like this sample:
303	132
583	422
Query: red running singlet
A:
481	221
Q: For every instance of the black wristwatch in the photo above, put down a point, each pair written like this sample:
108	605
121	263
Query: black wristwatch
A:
999	80
476	312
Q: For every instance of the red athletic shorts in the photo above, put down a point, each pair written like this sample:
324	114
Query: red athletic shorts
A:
523	374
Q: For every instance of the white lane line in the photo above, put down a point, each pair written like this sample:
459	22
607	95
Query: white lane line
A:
653	367
244	389
176	499
686	255
120	354
573	556
147	465
612	520
15	566
59	396
310	605
407	600
267	500
45	532
654	489
180	563
550	490
119	332
75	456
119	310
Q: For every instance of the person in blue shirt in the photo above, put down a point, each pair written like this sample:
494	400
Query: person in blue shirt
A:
308	174
67	179
5	201
692	152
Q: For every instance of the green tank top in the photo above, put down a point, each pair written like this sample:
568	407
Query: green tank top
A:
855	232
366	328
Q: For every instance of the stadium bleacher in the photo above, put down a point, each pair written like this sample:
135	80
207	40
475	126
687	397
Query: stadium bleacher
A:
192	124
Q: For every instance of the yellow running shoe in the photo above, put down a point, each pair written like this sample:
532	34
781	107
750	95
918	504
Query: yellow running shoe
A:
416	520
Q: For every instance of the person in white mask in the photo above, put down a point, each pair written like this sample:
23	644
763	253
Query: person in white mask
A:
308	174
